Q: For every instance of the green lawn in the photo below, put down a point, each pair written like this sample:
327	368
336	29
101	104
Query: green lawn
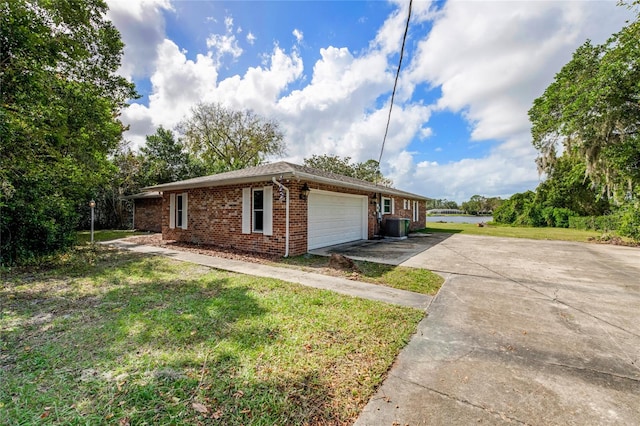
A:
110	337
400	277
84	237
562	234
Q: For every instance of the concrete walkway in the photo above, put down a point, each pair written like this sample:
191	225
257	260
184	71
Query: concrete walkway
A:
310	279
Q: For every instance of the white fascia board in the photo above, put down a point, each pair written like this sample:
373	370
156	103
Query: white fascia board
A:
288	175
366	188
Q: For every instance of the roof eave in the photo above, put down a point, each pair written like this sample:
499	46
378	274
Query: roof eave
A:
299	175
208	184
362	187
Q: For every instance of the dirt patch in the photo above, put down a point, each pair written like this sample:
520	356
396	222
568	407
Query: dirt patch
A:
338	261
613	240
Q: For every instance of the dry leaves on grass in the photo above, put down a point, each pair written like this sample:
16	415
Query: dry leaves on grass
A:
200	408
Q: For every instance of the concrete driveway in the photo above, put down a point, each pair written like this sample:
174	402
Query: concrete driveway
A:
388	250
523	331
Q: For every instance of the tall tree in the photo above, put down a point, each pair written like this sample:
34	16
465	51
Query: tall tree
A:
591	111
165	159
367	170
60	98
230	140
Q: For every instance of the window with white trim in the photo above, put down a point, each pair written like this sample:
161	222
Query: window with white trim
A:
416	211
387	205
258	210
406	204
178	211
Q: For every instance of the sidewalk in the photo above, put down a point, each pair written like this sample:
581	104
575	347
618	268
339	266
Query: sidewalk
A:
310	279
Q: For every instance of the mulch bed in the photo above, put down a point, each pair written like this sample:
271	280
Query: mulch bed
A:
209	250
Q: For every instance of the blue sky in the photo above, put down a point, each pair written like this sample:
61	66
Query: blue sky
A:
325	69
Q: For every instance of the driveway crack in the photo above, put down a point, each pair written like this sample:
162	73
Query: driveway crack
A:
446	395
591	370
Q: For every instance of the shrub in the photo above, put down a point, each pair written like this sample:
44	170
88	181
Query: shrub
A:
629	223
582	222
562	217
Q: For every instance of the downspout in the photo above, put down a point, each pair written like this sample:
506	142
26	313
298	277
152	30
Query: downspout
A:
286	190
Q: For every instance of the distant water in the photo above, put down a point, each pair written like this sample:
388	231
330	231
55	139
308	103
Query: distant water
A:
459	219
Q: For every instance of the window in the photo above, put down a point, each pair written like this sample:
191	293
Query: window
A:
416	211
406	204
258	210
178	211
387	205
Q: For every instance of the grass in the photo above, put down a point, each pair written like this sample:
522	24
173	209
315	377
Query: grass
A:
110	337
84	237
400	277
562	234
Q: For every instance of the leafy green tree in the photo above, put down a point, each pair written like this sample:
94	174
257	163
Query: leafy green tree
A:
226	140
331	163
567	187
516	209
591	110
164	159
479	204
60	98
367	170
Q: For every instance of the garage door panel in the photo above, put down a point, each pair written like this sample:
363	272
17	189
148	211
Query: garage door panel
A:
335	218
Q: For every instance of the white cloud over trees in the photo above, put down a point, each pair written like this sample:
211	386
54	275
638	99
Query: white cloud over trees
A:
489	60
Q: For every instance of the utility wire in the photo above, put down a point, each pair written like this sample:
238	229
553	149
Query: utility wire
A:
395	84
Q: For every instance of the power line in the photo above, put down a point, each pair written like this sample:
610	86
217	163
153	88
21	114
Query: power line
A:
395	84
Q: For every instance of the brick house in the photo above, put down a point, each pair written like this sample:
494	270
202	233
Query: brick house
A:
281	208
147	211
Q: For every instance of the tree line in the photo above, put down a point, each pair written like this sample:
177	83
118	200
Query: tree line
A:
586	127
476	205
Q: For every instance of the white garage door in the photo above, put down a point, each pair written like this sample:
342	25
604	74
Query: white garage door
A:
336	218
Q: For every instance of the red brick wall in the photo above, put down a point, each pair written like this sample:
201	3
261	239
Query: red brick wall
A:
400	212
215	217
148	214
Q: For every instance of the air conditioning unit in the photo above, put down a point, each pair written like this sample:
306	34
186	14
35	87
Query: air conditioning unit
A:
396	227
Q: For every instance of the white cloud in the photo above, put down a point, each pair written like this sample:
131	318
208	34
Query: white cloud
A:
499	174
490	60
141	27
228	23
426	132
298	35
177	84
260	87
224	44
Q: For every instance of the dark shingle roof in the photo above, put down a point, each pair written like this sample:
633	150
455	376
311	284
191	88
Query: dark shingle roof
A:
286	170
141	195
